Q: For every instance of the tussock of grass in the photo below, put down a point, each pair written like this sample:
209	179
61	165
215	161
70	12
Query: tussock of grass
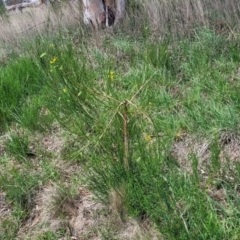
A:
148	124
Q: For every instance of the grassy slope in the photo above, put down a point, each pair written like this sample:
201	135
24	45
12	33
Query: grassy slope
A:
150	126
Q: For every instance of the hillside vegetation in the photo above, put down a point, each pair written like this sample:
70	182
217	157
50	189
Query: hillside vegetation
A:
124	133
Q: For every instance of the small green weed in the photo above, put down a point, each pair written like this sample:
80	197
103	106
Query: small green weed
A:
19	188
18	146
8	228
49	235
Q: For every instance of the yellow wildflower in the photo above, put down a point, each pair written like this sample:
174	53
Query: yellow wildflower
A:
150	103
64	90
148	138
53	60
111	75
179	134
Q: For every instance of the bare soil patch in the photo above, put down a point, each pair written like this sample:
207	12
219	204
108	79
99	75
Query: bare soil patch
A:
188	146
5	209
84	218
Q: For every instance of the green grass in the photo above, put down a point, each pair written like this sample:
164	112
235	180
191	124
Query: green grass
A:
123	105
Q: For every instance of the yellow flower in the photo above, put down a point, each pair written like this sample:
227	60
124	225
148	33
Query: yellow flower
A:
150	103
179	134
53	60
64	90
111	75
148	138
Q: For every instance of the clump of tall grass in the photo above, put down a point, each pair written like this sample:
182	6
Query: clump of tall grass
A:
127	115
127	102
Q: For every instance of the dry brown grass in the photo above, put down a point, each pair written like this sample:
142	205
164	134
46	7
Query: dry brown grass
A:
163	17
180	16
4	207
82	217
187	146
116	201
37	20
